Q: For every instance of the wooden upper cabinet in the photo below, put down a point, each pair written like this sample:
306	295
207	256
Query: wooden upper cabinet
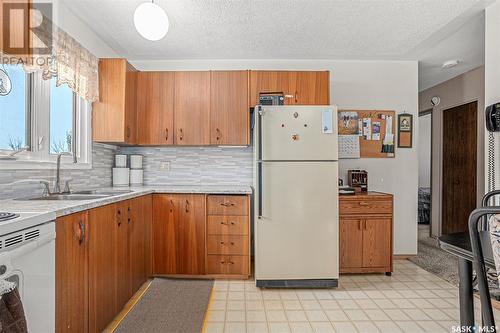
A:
271	82
192	108
311	88
72	273
155	108
298	87
229	109
114	115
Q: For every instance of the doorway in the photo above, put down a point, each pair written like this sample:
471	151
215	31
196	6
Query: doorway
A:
459	168
424	171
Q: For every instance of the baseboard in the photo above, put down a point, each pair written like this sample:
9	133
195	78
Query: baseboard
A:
403	256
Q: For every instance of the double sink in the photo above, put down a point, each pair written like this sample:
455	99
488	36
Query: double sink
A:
80	195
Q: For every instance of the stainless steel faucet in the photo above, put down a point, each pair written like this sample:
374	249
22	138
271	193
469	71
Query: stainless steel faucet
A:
57	185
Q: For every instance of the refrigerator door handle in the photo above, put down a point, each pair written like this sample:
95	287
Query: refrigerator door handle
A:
259	182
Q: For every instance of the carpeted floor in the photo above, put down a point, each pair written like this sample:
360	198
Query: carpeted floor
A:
169	306
431	258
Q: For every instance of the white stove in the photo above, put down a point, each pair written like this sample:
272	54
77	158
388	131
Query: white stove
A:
16	221
27	258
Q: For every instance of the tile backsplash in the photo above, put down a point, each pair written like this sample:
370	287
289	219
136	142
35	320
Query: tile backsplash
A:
21	183
186	165
195	165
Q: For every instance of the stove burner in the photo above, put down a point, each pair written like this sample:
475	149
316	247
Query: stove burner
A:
7	216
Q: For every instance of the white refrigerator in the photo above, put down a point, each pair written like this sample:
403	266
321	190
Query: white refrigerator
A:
296	197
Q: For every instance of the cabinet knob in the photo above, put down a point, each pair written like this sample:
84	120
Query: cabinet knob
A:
181	136
166	134
218	134
187	206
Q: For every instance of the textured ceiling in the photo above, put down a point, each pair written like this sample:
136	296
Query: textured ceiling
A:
278	29
465	45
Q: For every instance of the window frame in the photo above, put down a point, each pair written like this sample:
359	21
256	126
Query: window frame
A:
38	155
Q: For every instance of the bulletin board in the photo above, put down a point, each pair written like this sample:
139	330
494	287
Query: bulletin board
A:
377	143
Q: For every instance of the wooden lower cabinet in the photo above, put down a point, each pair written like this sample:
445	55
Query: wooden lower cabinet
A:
365	233
72	273
101	261
179	234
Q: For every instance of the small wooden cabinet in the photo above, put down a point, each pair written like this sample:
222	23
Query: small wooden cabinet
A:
114	115
192	108
299	87
17	32
366	233
229	109
179	234
155	108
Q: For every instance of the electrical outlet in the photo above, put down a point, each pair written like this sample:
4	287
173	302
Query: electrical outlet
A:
165	166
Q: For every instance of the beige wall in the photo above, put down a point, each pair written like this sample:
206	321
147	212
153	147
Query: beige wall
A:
462	89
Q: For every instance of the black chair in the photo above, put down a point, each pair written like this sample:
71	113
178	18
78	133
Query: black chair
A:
479	221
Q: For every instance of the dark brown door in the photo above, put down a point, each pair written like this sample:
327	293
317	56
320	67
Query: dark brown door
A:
459	166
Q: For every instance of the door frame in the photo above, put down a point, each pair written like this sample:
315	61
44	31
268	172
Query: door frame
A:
439	223
421	114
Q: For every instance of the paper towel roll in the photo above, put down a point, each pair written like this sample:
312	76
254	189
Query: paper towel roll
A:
120	161
136	176
136	161
121	176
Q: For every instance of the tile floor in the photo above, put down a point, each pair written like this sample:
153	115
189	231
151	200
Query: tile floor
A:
411	300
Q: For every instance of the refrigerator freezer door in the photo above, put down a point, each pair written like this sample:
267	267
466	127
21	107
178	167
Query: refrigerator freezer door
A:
307	133
297	235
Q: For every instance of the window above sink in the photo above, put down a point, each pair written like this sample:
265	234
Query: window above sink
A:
42	119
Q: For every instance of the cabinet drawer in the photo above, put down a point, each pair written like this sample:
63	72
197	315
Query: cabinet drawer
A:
227	205
227	244
221	264
227	225
369	207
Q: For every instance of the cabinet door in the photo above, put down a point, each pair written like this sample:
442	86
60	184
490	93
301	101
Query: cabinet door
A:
130	105
17	29
137	226
72	273
122	273
271	82
229	110
192	108
155	108
311	88
192	234
102	267
377	240
351	241
165	229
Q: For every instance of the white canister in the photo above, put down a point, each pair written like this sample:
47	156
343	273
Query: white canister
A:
136	176
120	161
136	161
121	176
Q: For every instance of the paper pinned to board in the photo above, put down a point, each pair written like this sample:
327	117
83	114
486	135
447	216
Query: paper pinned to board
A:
367	128
349	146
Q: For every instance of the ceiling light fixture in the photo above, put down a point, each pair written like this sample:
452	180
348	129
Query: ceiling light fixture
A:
450	64
151	21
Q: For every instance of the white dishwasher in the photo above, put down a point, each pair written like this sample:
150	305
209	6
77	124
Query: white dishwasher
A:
27	258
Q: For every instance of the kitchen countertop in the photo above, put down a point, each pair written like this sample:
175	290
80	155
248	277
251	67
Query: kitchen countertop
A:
65	207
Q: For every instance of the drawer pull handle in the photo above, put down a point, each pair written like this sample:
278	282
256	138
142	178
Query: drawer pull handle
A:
227	204
227	262
223	223
361	203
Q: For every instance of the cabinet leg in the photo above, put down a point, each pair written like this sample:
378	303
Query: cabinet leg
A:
388	273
